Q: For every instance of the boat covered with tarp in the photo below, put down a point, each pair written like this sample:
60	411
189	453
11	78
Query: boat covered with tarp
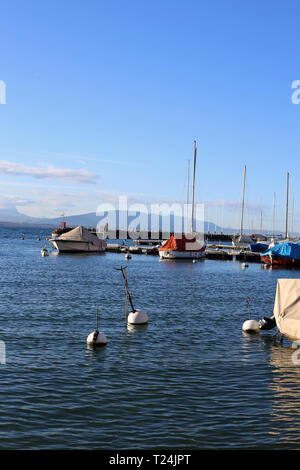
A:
182	246
287	308
241	241
78	240
282	254
258	247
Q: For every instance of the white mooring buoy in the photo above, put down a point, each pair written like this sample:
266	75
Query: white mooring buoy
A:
128	256
96	338
250	326
44	252
135	317
139	317
245	265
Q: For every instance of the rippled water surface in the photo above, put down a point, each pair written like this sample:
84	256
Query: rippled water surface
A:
190	379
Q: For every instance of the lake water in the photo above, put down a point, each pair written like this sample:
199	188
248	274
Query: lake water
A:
190	379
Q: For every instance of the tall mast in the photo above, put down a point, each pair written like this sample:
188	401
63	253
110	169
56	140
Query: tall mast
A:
287	205
187	195
222	217
207	221
193	193
274	203
292	222
261	225
243	201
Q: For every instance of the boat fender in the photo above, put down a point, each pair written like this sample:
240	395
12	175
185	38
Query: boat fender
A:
267	323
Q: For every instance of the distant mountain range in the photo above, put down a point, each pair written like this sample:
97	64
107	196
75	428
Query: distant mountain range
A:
13	217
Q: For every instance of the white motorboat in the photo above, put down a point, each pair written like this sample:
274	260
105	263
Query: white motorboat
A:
78	240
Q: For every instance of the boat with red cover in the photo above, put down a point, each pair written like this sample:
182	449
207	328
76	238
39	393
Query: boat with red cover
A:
182	246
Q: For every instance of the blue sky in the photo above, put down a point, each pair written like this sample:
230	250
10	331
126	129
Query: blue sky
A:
105	99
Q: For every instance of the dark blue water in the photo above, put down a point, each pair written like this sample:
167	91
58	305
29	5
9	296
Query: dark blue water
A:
190	379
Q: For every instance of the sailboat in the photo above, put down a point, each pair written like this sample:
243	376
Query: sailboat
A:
286	310
242	240
180	245
286	252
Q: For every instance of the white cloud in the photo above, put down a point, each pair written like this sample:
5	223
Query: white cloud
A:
68	175
8	201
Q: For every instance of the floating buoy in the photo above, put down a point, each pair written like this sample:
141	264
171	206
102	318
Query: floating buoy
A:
38	239
96	338
251	326
139	317
245	265
44	251
135	317
194	261
128	256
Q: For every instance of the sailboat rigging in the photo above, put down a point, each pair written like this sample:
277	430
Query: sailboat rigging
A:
183	245
242	240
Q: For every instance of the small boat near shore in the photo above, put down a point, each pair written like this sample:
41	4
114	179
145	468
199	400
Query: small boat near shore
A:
286	312
258	247
282	254
182	247
287	308
78	240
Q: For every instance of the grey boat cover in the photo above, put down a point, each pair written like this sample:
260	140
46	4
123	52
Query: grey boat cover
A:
287	308
81	234
242	239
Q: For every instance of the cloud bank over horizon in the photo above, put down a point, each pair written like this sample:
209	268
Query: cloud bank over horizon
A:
68	175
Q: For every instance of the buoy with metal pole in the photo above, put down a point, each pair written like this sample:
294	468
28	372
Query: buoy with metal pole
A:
44	251
96	338
135	317
250	326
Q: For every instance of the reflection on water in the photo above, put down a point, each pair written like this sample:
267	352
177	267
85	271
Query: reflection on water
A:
137	328
285	388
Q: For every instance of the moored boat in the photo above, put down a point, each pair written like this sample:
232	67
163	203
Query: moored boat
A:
258	247
287	308
183	247
285	254
78	240
241	241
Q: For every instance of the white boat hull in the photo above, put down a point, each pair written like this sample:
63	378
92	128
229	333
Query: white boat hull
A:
68	246
170	254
